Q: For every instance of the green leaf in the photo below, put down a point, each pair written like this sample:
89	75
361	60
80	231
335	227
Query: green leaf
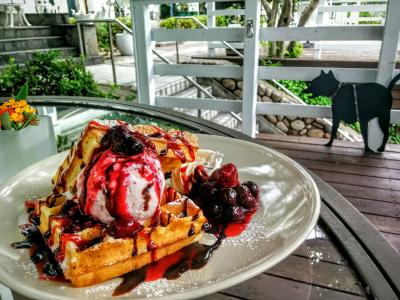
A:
5	121
27	122
23	92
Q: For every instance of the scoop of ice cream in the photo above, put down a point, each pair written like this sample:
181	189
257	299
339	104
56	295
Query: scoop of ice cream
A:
183	178
121	186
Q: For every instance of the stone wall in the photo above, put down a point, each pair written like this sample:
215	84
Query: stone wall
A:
288	125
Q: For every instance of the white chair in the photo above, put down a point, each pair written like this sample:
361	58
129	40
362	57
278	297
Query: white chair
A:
9	7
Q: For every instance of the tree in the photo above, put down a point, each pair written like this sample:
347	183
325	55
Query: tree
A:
279	13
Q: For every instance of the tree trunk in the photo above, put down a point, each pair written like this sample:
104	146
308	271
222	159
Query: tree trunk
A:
284	21
305	16
272	23
267	8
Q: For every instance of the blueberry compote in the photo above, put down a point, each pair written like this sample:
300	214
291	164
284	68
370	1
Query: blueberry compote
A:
72	220
46	265
227	204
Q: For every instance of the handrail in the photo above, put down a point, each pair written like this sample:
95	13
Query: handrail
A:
158	54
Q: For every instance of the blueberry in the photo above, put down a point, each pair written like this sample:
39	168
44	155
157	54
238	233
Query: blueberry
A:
51	269
128	146
245	198
200	174
72	212
215	210
208	191
253	187
121	140
113	134
235	214
227	196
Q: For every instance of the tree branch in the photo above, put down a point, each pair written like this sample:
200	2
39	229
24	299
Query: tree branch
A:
267	8
305	16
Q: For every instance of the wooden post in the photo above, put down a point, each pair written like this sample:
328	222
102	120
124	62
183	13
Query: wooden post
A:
321	15
210	24
387	59
143	53
250	66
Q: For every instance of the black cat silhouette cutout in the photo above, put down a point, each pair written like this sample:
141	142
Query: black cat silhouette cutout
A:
362	102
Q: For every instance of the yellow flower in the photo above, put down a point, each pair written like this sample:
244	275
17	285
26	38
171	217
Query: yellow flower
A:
16	117
23	103
11	101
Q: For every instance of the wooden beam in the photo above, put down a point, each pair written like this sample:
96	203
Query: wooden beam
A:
353	75
325	33
143	52
387	58
227	12
212	34
250	66
285	109
210	24
353	8
178	1
199	103
199	70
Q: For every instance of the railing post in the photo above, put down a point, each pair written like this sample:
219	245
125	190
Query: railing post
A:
110	37
210	24
387	58
321	15
143	52
250	66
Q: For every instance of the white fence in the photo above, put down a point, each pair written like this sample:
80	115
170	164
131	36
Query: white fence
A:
250	72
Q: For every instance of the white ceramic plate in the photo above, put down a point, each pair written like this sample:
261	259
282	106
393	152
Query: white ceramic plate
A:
289	209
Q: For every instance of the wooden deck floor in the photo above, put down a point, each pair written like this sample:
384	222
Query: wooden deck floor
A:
371	182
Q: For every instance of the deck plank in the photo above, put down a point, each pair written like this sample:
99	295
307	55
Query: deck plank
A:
319	141
350	169
353	152
379	208
330	253
360	180
322	274
267	286
366	192
339	159
371	182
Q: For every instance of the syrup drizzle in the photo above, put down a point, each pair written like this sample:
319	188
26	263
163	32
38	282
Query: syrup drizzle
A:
172	144
192	257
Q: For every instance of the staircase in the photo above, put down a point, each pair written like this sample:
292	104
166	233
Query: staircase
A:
22	42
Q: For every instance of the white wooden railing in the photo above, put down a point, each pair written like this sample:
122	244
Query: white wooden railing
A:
250	72
347	12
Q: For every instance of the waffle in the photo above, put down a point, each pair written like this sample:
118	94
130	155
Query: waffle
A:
173	146
92	256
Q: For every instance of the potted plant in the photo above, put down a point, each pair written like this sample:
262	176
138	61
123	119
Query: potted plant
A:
124	39
124	42
23	138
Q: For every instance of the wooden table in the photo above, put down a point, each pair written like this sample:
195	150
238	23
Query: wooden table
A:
345	257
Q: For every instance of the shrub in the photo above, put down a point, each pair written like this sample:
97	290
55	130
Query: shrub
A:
221	21
47	74
295	51
102	32
298	88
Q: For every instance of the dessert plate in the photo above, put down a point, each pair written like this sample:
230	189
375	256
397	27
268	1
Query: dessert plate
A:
288	211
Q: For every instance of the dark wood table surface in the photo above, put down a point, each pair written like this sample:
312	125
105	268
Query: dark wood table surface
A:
345	256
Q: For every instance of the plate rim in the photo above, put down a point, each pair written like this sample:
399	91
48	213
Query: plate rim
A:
262	265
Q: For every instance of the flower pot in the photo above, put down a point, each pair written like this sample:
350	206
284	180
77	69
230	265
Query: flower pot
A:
125	44
19	149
